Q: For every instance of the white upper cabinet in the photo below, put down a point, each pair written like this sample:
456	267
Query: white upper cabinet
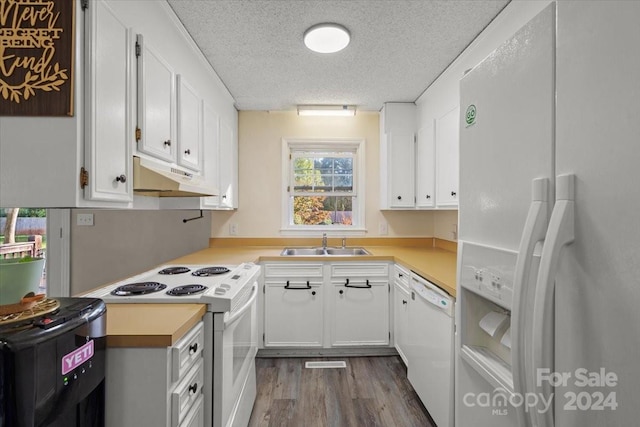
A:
156	131
397	141
109	62
425	167
228	166
211	153
447	158
189	125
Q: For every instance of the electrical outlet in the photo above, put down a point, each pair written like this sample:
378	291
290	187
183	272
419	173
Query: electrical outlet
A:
233	229
382	228
85	220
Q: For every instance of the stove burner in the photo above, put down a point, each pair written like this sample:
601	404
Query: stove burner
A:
210	271
138	289
174	270
186	290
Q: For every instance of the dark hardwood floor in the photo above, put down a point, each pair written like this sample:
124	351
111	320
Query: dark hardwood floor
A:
370	392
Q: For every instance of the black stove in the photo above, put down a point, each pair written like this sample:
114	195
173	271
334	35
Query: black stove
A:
141	288
184	290
210	271
174	270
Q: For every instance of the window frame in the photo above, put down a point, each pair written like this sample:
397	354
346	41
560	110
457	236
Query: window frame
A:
358	201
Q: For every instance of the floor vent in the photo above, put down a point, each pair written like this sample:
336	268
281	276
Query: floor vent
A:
324	365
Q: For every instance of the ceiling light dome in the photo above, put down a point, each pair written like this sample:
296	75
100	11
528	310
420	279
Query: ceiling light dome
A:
327	38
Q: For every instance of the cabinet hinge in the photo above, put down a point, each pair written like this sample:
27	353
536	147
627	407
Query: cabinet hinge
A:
264	291
84	4
288	189
415	138
84	177
138	50
263	338
138	134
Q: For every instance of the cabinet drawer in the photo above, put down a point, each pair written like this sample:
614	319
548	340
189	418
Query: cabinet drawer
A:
401	276
297	270
348	269
186	351
195	417
186	393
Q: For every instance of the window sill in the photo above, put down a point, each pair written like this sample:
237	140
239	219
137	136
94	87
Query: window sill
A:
315	231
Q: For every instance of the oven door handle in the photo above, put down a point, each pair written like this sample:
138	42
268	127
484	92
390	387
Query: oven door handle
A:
245	307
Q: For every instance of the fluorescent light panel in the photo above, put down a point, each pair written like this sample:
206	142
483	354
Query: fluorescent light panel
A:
327	110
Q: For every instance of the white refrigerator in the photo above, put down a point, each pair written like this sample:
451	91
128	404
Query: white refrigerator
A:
548	317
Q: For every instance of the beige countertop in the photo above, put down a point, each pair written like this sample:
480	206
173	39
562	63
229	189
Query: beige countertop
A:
436	264
161	325
150	325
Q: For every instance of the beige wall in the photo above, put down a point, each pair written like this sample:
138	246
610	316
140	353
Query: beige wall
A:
122	243
260	136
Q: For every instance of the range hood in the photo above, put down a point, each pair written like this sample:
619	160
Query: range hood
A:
153	178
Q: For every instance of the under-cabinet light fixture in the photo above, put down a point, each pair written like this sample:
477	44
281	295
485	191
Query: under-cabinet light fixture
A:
327	110
327	38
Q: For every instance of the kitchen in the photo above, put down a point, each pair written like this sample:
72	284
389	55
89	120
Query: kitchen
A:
130	235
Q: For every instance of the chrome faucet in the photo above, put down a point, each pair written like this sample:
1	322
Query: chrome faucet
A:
324	240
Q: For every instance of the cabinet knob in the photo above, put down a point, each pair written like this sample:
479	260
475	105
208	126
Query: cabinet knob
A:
187	151
167	143
453	193
313	292
193	388
122	178
428	196
404	301
399	197
341	292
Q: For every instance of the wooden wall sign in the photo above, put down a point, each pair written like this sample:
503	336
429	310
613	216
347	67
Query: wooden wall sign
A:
36	57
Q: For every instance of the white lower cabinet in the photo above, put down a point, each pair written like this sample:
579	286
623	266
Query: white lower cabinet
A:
401	297
156	386
293	314
293	305
361	312
326	304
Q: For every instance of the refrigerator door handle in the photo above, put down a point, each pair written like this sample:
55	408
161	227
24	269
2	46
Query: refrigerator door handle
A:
533	232
561	232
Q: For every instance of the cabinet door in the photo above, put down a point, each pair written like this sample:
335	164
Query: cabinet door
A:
447	148
189	125
401	320
109	105
361	314
293	317
401	174
425	167
211	153
156	104
228	167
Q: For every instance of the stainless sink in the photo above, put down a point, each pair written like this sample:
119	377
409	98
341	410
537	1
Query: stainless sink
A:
349	251
302	251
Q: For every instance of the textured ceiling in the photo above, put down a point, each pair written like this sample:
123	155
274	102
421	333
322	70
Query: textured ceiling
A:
398	48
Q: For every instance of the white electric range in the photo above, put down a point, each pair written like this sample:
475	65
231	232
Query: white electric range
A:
221	287
230	325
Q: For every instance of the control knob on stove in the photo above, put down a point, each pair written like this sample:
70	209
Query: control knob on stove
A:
220	291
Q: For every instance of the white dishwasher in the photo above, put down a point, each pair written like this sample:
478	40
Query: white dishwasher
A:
430	350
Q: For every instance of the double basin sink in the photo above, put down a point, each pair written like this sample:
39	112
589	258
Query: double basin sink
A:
329	251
